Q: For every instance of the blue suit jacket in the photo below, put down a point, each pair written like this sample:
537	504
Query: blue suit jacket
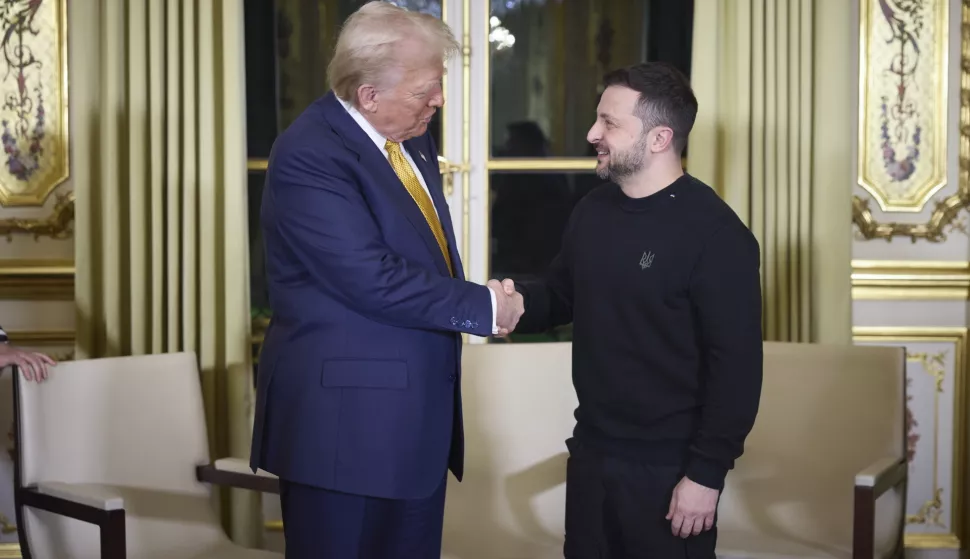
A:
359	383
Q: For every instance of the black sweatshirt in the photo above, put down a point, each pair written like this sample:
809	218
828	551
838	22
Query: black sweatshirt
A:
664	294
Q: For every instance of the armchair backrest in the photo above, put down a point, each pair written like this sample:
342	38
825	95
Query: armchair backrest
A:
826	413
130	421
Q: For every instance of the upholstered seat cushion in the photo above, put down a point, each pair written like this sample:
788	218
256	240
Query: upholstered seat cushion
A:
160	525
747	545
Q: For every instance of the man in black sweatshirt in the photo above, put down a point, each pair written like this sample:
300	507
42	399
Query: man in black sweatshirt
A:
660	280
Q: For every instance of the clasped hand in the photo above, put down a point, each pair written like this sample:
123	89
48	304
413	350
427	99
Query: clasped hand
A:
509	305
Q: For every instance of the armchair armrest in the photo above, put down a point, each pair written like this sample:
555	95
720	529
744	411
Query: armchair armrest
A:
87	503
235	472
870	484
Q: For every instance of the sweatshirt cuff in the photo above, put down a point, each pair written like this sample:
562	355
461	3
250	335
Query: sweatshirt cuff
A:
706	472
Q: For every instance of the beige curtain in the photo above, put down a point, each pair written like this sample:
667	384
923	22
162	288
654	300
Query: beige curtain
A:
773	135
161	234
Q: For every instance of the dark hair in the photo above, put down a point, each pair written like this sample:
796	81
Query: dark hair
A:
666	98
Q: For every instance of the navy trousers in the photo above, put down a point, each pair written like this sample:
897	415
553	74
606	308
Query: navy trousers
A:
323	524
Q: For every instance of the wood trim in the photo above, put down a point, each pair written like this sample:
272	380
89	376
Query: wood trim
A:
210	474
864	511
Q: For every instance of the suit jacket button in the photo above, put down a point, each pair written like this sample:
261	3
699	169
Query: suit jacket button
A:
452	377
454	321
468	324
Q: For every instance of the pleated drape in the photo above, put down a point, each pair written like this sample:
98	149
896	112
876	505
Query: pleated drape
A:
161	233
773	135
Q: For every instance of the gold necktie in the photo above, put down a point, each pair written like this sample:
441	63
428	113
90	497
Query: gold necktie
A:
404	172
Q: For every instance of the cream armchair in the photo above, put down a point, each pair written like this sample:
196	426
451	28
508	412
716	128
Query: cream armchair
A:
113	462
822	477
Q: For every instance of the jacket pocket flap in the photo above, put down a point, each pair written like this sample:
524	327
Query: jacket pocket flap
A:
365	373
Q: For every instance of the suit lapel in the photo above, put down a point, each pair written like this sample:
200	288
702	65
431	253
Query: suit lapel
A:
371	157
432	177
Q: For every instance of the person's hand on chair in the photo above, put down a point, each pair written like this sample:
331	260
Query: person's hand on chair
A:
33	365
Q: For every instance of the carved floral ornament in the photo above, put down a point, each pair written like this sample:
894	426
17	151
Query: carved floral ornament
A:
34	115
903	120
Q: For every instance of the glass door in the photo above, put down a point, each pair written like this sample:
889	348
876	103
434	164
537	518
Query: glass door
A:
535	70
519	101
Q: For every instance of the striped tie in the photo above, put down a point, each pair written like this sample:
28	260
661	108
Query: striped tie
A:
404	172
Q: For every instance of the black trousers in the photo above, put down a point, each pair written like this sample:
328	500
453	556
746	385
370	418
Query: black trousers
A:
616	509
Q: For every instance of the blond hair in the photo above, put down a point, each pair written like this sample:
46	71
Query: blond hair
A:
365	47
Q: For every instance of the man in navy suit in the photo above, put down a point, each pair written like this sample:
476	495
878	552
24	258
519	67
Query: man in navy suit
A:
358	406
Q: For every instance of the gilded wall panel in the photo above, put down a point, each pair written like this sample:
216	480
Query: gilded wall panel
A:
33	100
903	101
935	419
913	127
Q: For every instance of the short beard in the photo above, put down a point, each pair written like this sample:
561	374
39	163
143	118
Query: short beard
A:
626	164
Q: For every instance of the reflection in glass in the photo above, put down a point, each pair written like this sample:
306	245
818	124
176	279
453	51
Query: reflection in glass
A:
548	58
258	293
261	117
528	214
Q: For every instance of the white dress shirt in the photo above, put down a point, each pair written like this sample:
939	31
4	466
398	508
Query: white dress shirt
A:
380	141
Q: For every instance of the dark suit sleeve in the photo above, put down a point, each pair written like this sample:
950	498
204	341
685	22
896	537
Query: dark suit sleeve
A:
549	302
324	220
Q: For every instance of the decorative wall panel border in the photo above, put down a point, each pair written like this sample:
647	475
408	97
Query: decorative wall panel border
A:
34	125
35	280
936	419
902	101
910	280
917	195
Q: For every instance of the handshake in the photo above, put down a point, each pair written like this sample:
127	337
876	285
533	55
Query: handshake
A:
509	306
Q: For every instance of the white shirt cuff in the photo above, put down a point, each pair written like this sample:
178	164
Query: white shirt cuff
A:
494	311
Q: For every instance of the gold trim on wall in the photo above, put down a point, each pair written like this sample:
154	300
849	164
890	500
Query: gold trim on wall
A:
38	338
10	551
945	211
910	280
34	280
958	500
587	164
58	225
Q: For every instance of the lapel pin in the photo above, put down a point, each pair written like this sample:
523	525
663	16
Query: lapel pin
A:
422	156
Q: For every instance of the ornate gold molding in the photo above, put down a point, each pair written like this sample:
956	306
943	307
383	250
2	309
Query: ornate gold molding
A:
36	280
910	280
946	211
10	551
58	225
